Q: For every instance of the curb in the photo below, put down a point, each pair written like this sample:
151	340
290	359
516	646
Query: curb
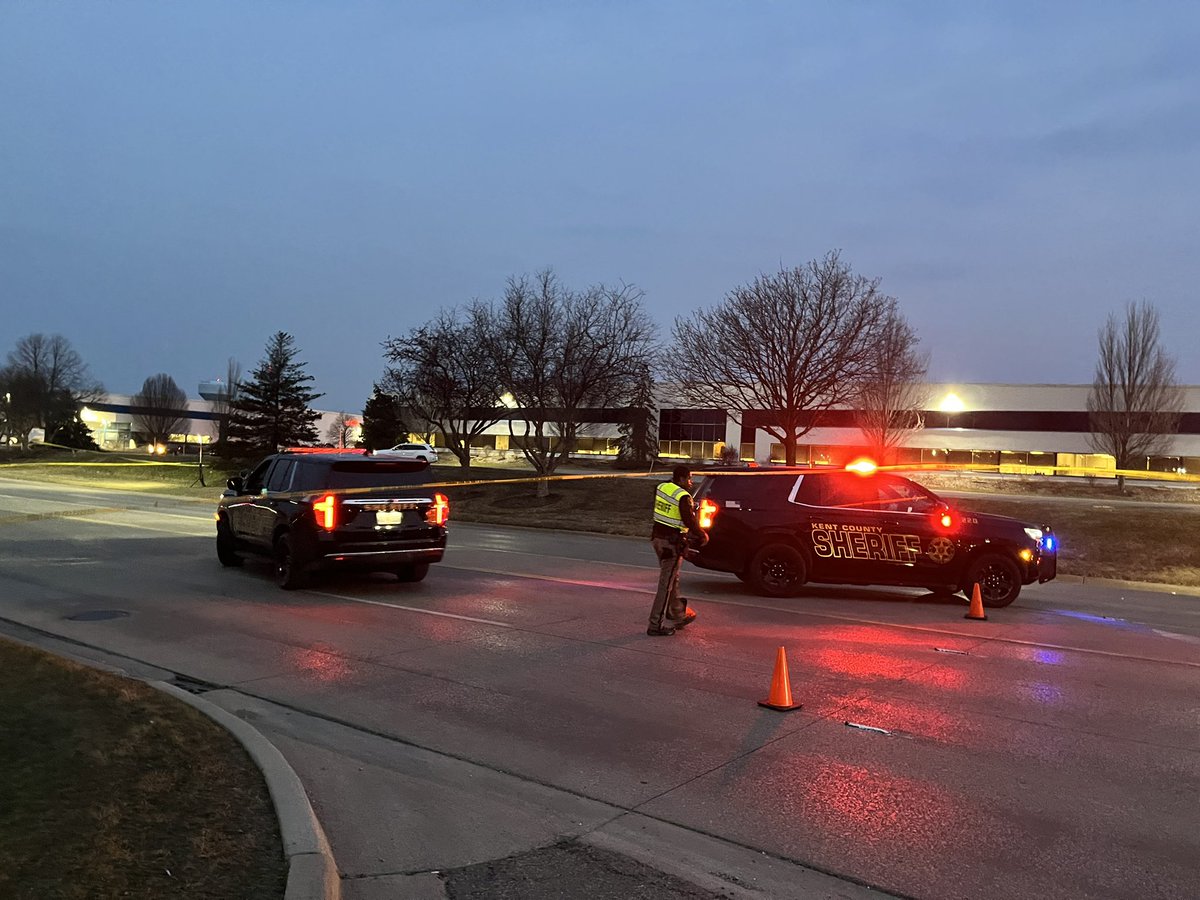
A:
312	871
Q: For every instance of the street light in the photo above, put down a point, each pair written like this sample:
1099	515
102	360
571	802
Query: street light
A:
950	405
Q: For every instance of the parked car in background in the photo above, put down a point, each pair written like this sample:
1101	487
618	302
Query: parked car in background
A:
426	452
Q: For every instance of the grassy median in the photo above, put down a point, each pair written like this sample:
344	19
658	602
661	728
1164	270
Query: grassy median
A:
109	788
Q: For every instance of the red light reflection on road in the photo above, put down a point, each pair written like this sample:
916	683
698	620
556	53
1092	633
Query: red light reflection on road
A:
941	677
877	807
319	665
861	663
908	716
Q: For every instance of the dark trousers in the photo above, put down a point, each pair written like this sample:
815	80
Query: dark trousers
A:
666	600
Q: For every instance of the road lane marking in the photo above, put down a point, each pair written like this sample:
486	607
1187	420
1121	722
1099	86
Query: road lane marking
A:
110	523
418	609
833	616
18	518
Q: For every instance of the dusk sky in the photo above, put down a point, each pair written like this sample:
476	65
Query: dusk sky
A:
180	180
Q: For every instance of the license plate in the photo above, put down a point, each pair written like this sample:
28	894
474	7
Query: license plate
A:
389	517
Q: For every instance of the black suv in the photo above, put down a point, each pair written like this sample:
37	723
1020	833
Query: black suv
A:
314	510
778	529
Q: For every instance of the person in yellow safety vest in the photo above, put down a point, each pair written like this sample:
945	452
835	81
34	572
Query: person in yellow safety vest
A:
674	522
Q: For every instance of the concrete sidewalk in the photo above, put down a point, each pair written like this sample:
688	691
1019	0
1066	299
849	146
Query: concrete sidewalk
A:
401	819
389	819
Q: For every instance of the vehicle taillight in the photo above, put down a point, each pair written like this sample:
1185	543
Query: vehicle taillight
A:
439	513
706	513
325	512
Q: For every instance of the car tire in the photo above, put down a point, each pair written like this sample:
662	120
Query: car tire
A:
777	570
227	545
412	573
289	569
998	578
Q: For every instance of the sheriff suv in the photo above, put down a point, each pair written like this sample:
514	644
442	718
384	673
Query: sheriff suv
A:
778	529
323	510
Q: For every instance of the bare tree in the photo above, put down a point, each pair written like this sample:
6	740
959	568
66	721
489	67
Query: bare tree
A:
338	432
1135	403
563	355
46	382
444	374
159	408
793	344
892	395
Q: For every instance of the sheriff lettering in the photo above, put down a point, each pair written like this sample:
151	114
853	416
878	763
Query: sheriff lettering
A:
832	541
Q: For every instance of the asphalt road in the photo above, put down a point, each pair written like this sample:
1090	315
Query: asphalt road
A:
512	702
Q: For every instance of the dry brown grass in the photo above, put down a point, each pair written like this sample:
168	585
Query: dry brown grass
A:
109	788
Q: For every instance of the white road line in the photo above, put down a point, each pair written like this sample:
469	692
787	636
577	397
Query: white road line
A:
417	609
112	523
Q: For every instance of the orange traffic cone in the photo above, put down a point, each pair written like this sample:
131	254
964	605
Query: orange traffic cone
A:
781	686
976	610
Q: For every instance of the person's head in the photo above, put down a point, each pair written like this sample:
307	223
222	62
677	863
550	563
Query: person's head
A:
682	475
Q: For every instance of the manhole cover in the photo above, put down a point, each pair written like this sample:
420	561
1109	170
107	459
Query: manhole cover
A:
98	615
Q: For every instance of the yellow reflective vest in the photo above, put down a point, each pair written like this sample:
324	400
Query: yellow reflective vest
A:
666	505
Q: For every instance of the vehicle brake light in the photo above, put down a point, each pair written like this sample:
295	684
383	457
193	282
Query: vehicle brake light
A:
439	513
706	513
325	511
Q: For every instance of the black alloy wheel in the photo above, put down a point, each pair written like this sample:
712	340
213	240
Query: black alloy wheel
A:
289	571
998	578
777	570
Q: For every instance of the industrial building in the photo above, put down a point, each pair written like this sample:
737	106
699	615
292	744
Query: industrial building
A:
1039	426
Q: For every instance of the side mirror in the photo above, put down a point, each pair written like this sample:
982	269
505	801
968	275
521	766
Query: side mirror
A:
235	484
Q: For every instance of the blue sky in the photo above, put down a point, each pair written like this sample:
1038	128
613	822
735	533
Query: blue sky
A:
178	181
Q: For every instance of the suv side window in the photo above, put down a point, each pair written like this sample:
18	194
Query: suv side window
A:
901	495
851	491
258	478
751	491
308	476
810	491
280	478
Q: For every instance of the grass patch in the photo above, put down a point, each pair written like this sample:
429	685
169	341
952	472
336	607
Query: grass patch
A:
109	788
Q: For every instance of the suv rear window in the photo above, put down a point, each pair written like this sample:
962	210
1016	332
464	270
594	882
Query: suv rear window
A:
753	490
360	473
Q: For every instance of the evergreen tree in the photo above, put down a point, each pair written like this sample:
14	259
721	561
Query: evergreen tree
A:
382	424
638	445
271	410
72	431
